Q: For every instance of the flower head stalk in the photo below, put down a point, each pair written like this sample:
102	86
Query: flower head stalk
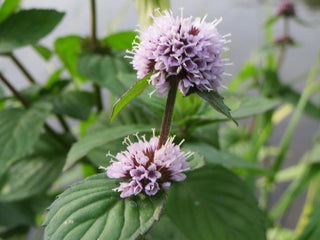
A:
147	169
185	49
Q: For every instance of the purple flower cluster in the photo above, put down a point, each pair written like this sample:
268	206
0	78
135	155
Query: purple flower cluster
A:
183	48
284	40
147	168
286	9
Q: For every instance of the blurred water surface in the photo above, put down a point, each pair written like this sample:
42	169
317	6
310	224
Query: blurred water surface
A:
243	18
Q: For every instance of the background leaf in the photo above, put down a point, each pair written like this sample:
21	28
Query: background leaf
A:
98	139
120	40
34	173
213	203
19	131
8	7
92	210
27	27
68	49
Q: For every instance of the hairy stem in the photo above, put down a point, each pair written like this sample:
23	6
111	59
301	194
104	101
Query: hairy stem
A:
27	105
168	112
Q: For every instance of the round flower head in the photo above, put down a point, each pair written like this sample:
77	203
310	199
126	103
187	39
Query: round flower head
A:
184	48
146	168
286	9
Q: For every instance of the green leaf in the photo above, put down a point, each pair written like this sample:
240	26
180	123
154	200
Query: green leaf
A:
98	139
272	20
165	229
312	230
13	214
216	101
214	203
247	71
43	51
103	70
76	104
120	40
27	27
126	98
19	131
34	173
213	156
7	8
92	210
69	49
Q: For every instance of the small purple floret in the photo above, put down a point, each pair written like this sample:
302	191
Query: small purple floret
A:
184	48
146	168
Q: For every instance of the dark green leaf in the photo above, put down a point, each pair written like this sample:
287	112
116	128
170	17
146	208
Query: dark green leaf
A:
126	98
103	70
13	214
76	104
7	8
91	209
165	230
213	203
27	27
213	156
100	138
120	40
216	101
34	173
19	131
69	49
43	51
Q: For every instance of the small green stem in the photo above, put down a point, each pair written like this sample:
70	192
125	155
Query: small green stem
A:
168	113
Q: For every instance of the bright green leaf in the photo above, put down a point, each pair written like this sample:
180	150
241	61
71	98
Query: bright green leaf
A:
126	98
34	173
216	101
43	51
120	40
27	27
19	131
214	203
69	49
91	209
7	8
100	138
